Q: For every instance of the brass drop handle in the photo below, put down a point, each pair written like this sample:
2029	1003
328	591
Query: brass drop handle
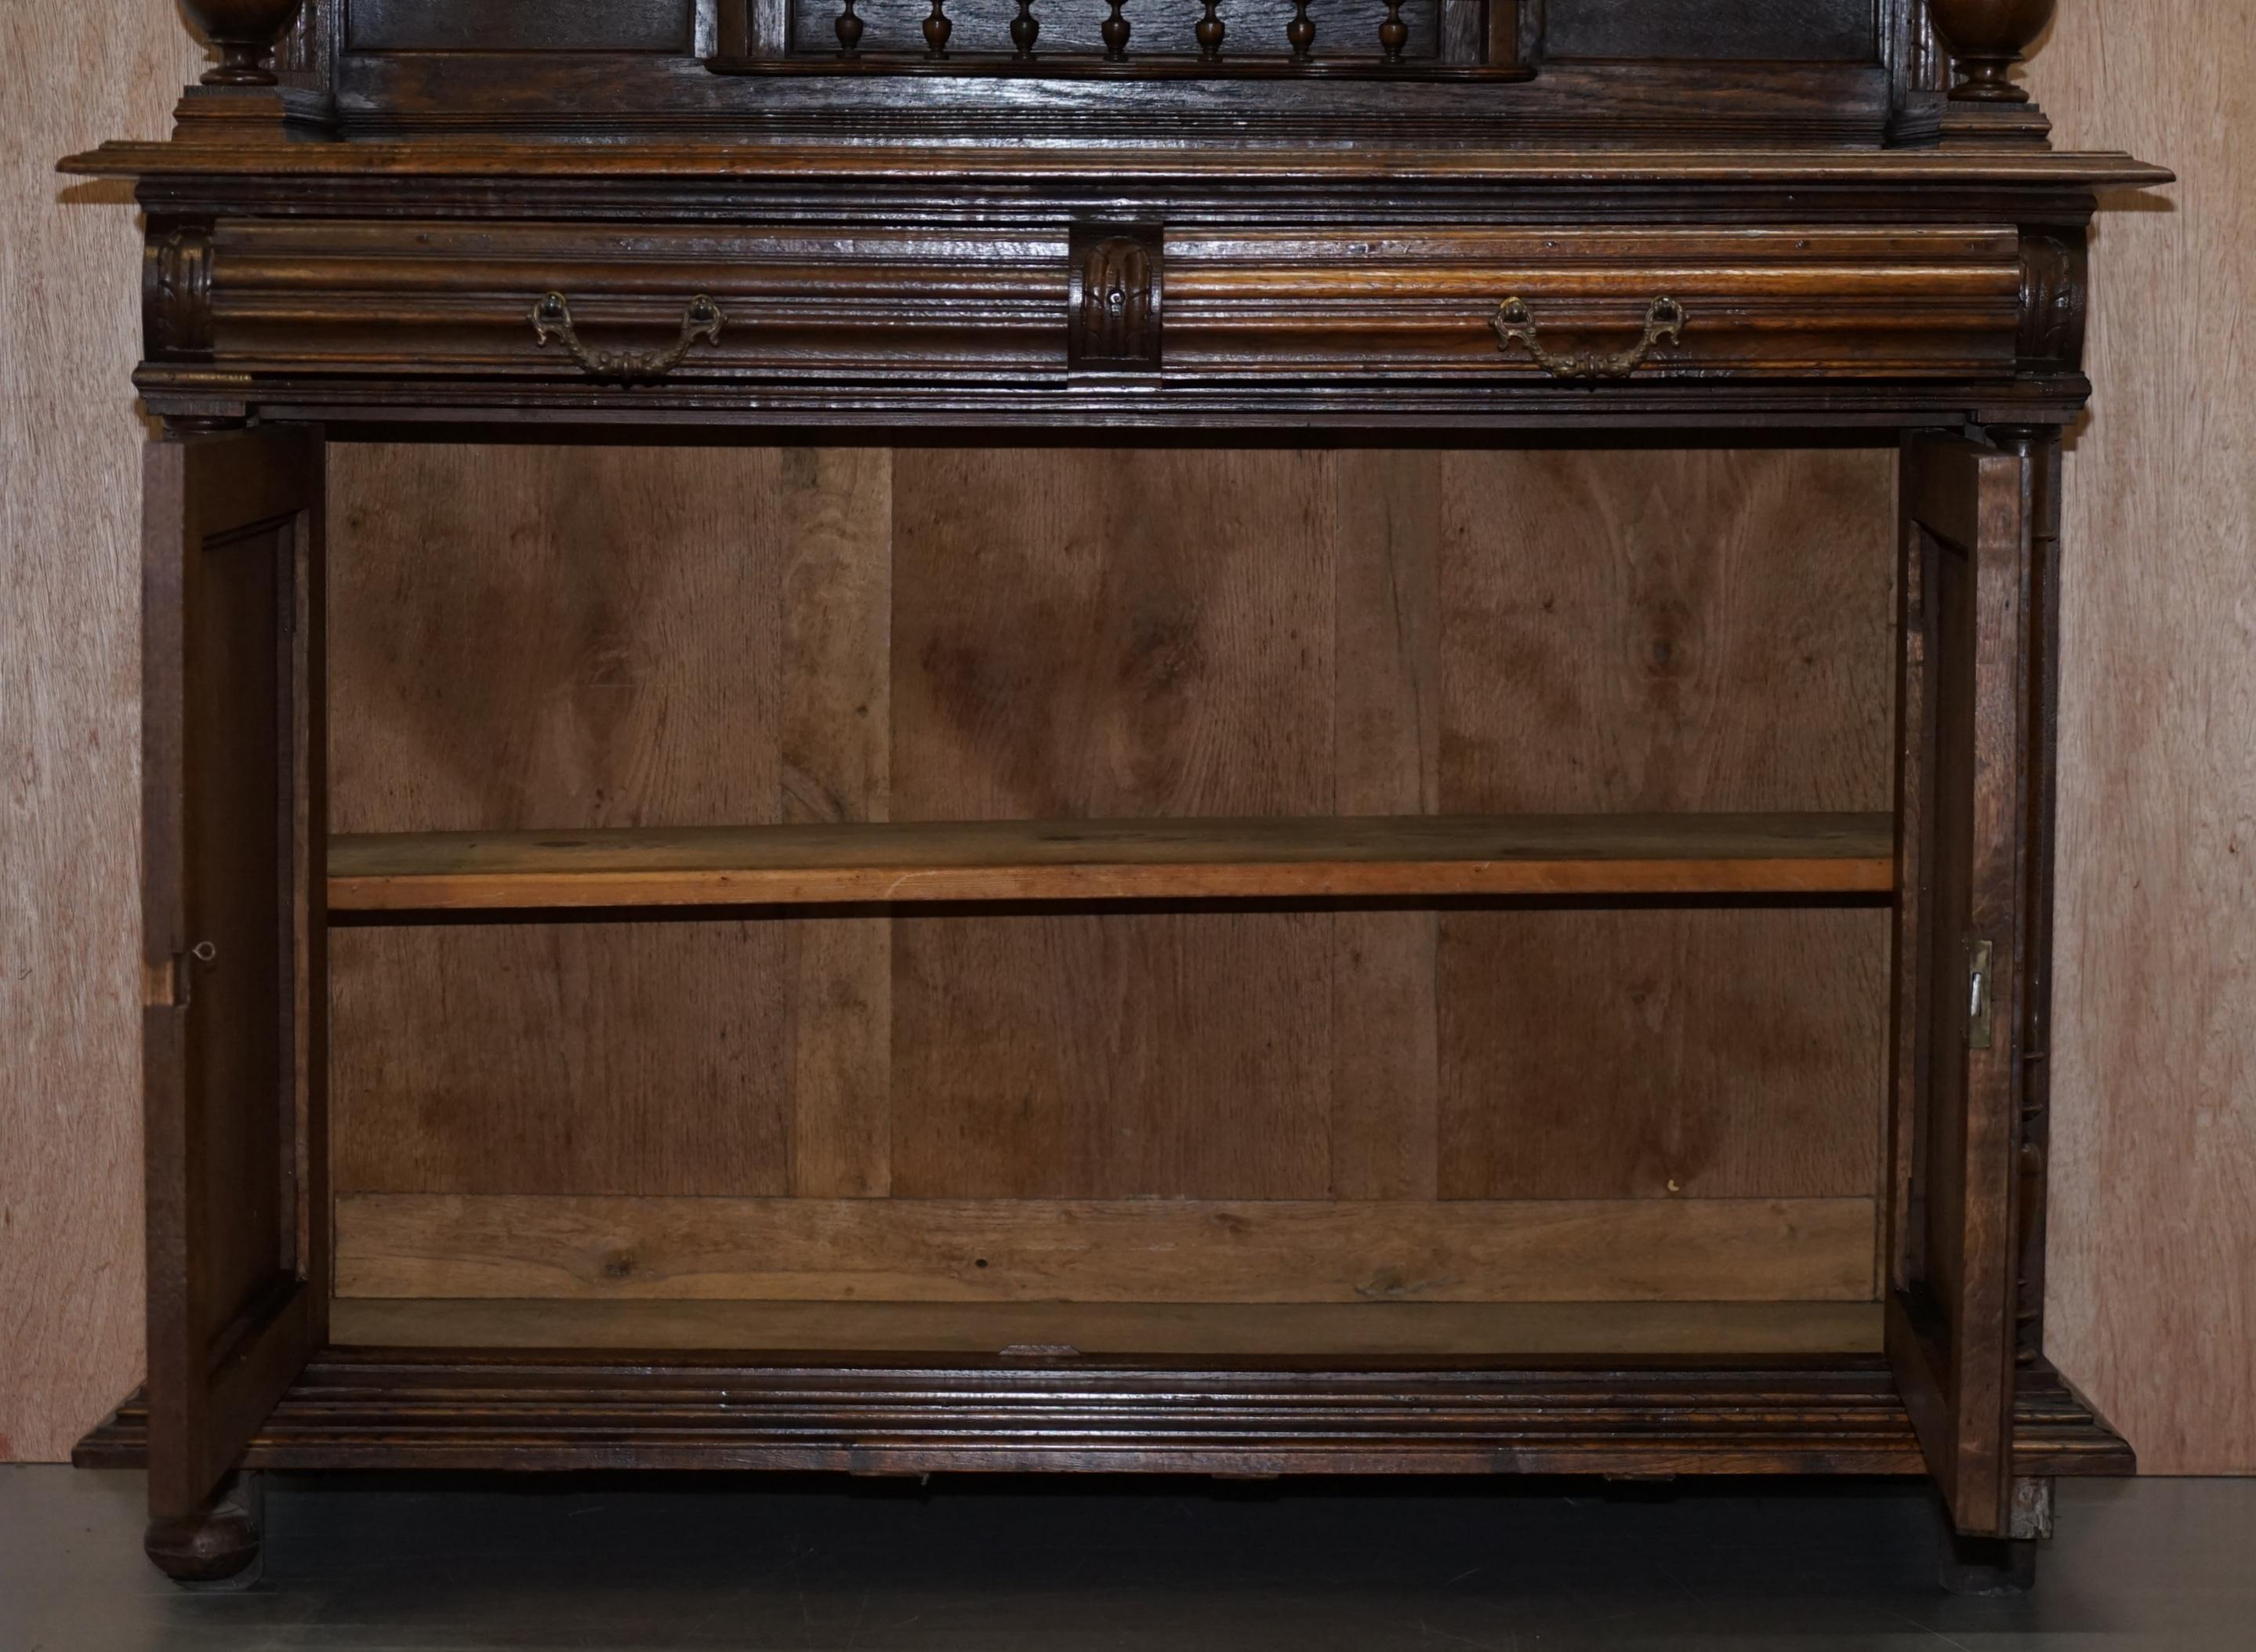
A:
551	321
1515	324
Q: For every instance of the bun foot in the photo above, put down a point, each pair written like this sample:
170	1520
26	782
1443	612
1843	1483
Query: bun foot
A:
218	1546
1989	1565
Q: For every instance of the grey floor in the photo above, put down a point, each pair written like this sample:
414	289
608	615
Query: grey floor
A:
973	1566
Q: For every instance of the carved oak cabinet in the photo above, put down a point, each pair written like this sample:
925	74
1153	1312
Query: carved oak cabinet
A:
957	1107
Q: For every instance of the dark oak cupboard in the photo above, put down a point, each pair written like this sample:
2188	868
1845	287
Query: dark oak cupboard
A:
1264	226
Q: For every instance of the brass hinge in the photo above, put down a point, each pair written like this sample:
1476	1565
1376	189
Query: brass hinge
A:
169	985
1980	991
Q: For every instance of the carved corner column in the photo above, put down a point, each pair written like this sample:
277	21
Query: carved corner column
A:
2039	447
2055	288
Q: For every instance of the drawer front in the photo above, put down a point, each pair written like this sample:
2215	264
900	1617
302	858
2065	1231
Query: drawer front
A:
906	316
1912	302
445	300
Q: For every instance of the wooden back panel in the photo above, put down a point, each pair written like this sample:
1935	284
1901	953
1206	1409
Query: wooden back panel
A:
1756	71
530	637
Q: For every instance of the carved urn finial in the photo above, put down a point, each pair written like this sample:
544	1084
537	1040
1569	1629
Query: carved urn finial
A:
1987	38
246	32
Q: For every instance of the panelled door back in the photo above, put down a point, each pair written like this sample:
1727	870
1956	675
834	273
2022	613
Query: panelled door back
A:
1954	1243
234	839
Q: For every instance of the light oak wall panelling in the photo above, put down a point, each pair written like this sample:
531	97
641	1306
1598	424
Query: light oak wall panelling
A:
70	519
1123	1250
1664	629
561	636
1072	633
530	637
1143	633
1656	1053
838	753
1077	634
1386	736
562	1058
1651	628
1161	1054
1130	632
2152	1297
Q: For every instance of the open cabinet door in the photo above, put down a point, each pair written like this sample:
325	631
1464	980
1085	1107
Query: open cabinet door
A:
234	837
1960	969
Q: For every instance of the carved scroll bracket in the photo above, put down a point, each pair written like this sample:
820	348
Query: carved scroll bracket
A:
1113	301
2054	300
176	294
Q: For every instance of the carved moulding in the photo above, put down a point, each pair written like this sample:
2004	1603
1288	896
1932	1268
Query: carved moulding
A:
1113	302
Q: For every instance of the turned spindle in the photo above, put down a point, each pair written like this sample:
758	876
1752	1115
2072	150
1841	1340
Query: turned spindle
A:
1302	31
1116	33
1024	28
848	28
1987	38
1209	32
246	32
937	28
1394	34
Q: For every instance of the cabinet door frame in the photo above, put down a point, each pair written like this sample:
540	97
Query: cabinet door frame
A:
233	846
1964	959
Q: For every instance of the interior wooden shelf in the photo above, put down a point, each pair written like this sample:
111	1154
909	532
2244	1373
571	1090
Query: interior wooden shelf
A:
1047	1330
1415	856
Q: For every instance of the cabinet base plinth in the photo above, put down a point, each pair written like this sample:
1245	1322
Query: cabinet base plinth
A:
476	1409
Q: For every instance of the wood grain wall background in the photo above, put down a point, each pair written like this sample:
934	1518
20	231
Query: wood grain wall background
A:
70	1119
2153	1285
